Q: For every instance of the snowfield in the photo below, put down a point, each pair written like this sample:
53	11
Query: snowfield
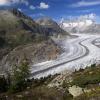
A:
78	53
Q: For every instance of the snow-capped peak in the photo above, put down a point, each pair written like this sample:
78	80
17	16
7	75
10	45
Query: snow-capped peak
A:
79	23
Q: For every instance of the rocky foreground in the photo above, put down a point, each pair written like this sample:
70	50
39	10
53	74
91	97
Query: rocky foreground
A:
80	85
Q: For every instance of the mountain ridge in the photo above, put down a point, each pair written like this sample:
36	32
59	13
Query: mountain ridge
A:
21	36
51	25
81	26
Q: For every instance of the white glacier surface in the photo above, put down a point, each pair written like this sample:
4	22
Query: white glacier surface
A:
78	53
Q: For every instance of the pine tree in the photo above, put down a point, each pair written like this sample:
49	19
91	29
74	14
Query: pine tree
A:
19	77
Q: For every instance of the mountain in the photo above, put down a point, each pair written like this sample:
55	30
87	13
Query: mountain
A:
95	28
80	26
17	29
21	36
14	24
51	26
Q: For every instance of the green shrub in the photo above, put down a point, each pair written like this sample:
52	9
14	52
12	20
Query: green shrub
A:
88	76
19	77
93	65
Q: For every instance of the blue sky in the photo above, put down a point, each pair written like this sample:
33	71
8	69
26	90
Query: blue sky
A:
56	9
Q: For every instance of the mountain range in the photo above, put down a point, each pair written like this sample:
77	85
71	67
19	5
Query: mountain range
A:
80	26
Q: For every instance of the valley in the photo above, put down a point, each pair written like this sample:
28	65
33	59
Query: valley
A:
78	53
45	59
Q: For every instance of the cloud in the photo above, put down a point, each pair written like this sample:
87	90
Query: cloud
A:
24	2
10	2
91	16
37	15
85	3
43	5
32	7
4	2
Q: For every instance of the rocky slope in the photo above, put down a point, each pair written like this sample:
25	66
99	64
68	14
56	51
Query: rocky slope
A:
17	29
95	28
34	53
79	85
21	36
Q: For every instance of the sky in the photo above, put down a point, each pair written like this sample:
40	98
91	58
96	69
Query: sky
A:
56	9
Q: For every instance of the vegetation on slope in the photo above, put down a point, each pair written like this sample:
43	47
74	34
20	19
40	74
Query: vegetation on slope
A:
16	80
86	77
17	29
37	89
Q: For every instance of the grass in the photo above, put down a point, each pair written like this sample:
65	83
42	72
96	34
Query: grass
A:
90	75
93	95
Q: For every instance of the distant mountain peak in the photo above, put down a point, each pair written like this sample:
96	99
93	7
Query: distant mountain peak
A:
45	21
76	24
51	25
